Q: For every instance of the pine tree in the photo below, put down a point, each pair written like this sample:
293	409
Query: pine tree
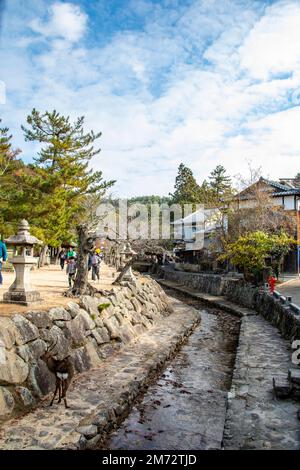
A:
60	174
220	183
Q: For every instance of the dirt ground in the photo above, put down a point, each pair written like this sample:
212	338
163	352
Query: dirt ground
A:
51	282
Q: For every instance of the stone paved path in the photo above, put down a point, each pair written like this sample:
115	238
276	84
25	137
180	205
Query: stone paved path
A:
101	393
255	418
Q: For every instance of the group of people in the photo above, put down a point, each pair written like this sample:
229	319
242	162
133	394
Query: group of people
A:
70	257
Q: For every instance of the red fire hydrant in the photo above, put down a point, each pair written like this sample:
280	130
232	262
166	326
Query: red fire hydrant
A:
272	282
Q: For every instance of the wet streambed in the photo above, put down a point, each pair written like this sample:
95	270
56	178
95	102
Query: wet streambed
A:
185	408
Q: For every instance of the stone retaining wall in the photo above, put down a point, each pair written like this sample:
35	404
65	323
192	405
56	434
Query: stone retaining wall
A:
275	309
88	331
209	283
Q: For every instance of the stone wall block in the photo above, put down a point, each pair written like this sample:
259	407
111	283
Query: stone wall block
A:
119	318
88	431
25	330
40	380
107	312
7	402
112	328
59	313
32	351
75	332
103	331
136	305
98	322
99	337
13	369
24	397
86	320
90	305
73	308
113	300
136	318
40	319
127	292
81	360
62	344
91	351
7	332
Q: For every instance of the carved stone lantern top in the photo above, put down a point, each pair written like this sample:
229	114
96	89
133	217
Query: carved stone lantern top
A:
127	250
23	237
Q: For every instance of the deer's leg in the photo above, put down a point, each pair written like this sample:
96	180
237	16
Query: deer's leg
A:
65	388
54	395
59	391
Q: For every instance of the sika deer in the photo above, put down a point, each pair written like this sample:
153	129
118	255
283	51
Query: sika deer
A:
63	371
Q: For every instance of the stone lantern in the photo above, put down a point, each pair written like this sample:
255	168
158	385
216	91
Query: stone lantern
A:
126	256
21	292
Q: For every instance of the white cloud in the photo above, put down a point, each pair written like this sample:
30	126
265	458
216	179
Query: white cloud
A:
196	85
272	45
66	21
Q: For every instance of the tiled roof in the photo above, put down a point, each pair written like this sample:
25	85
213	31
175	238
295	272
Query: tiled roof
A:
280	189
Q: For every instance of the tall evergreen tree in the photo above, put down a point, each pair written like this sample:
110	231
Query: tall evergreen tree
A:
220	183
187	190
60	173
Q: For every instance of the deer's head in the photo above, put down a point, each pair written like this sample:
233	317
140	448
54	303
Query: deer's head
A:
49	352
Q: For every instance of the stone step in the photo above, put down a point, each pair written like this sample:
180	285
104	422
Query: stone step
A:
282	387
294	376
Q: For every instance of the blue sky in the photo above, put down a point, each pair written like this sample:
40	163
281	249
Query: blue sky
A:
205	82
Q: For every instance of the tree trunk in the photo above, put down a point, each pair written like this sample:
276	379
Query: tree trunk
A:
85	245
43	256
57	256
126	274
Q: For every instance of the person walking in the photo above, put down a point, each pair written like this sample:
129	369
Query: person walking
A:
3	257
62	258
71	253
71	270
96	260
